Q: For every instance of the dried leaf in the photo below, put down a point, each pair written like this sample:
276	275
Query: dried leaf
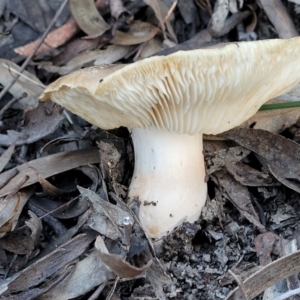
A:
240	197
158	279
39	122
37	291
73	48
48	187
263	246
106	218
268	276
117	264
23	241
221	10
139	32
29	12
216	160
248	176
161	11
87	17
252	25
11	208
112	54
109	55
35	225
280	155
87	274
188	11
60	209
276	120
27	83
50	165
151	47
6	156
53	40
281	20
32	275
94	174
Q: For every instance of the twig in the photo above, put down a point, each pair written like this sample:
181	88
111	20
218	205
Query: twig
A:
288	294
240	284
11	71
27	60
10	265
10	103
111	292
167	16
99	289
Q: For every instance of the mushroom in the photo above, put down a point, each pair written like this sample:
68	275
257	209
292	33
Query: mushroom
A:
167	103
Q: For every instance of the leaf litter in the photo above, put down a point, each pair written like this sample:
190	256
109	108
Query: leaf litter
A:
65	228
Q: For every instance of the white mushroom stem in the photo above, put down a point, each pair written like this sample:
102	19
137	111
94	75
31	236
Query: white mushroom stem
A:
168	179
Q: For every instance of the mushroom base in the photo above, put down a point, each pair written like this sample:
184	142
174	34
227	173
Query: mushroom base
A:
168	179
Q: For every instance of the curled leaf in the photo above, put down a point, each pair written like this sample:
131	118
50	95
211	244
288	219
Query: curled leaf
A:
117	263
87	17
139	32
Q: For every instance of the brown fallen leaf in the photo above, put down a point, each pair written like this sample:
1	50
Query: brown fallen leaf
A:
151	47
252	25
74	48
39	122
48	188
23	240
37	291
32	275
263	246
6	156
268	276
276	120
35	225
239	196
248	176
48	166
111	54
139	32
280	155
88	274
26	82
53	40
11	208
117	264
87	17
106	218
218	159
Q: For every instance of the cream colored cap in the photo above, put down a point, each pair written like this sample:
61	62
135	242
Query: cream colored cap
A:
204	90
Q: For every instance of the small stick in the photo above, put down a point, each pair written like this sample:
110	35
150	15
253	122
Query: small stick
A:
240	284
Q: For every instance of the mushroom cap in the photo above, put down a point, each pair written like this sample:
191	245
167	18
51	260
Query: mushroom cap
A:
199	91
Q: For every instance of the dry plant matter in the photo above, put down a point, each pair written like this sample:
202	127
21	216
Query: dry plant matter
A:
66	229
